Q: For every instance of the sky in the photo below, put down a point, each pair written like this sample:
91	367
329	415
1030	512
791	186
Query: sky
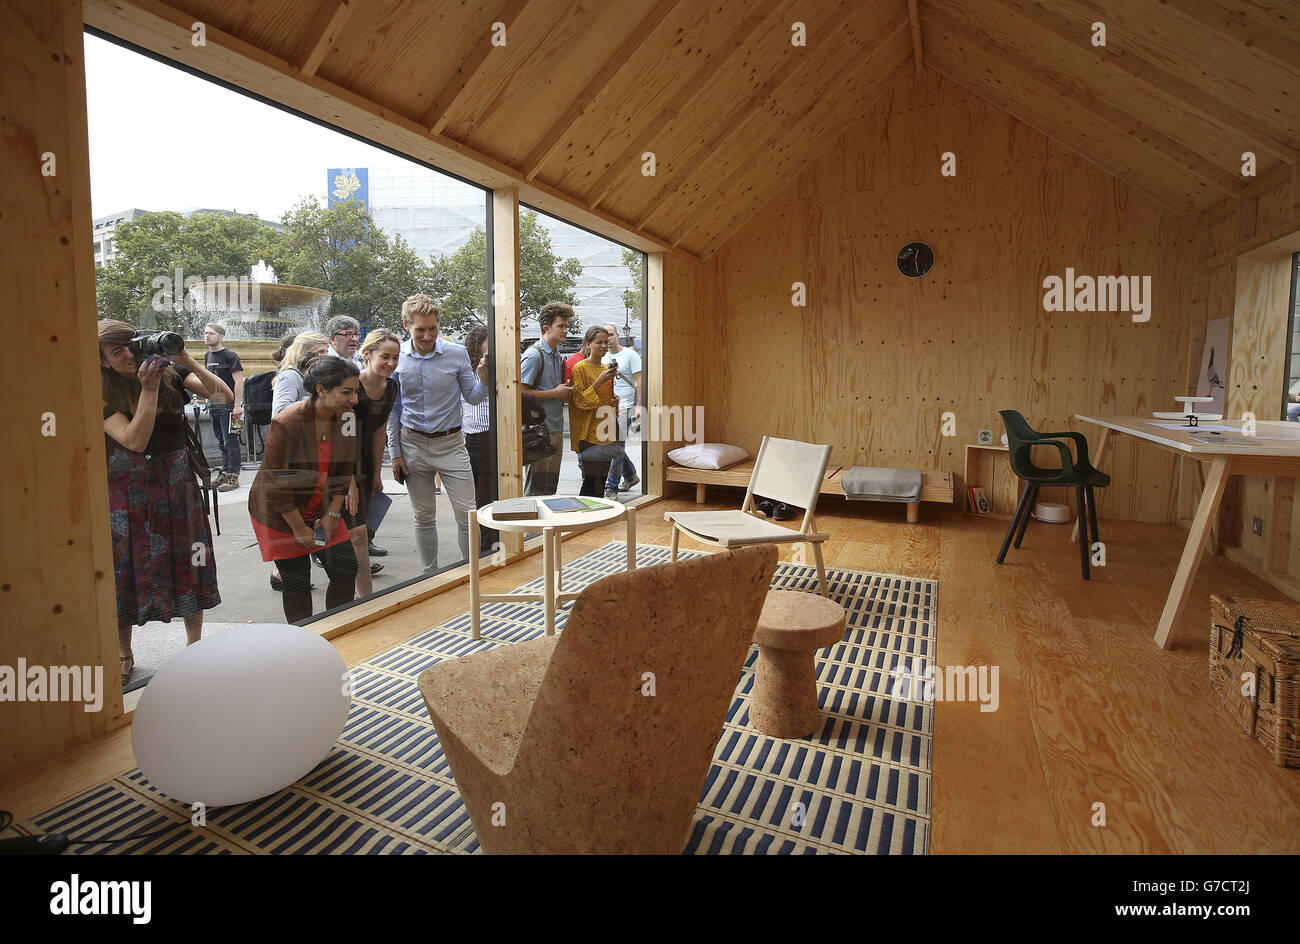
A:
162	139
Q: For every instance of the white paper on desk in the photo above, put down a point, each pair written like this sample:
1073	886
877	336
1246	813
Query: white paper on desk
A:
1203	428
1235	440
1228	440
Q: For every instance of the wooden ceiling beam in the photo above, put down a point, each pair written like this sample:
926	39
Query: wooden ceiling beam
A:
1169	86
914	18
1040	123
1073	92
814	145
1240	26
162	29
439	112
544	148
627	162
746	162
321	32
765	93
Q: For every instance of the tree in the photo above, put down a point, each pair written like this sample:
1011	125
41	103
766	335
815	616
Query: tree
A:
340	249
633	299
459	281
138	284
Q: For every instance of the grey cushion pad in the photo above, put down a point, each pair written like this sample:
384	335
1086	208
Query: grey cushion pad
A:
864	483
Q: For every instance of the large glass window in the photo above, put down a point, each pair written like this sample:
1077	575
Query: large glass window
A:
604	284
1291	395
212	208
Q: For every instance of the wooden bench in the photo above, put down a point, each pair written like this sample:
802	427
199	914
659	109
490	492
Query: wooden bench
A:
935	486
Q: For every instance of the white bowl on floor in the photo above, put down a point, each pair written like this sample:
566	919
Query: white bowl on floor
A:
1052	512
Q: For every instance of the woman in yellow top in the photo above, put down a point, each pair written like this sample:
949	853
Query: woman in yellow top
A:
593	412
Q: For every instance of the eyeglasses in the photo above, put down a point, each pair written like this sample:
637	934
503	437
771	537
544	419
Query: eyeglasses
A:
347	334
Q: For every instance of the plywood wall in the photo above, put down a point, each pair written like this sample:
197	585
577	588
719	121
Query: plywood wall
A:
674	305
56	567
875	359
1244	248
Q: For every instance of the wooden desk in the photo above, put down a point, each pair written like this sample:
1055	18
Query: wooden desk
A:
1276	455
553	526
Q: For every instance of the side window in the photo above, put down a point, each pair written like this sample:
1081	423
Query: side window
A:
1291	395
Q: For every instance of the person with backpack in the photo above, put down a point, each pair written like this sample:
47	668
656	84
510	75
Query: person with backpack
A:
226	418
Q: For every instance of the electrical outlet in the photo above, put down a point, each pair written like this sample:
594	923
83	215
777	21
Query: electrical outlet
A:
1257	526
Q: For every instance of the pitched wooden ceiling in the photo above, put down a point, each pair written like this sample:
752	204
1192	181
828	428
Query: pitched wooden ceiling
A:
732	109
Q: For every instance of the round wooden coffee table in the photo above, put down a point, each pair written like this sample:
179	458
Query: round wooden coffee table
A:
553	525
791	628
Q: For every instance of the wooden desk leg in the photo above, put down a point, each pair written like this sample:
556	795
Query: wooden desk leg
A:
1206	511
559	561
548	579
1095	458
473	573
1213	545
631	538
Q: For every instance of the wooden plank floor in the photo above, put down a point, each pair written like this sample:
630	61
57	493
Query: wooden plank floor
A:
1090	711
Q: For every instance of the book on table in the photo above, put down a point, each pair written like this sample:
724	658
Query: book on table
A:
514	509
561	505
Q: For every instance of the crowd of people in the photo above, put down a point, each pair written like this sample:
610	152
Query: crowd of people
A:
339	402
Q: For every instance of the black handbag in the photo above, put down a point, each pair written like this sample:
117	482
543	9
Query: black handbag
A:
537	444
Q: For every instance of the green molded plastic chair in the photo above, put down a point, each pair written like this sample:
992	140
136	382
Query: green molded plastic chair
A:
1075	471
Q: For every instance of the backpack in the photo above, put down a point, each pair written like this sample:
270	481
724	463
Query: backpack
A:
257	398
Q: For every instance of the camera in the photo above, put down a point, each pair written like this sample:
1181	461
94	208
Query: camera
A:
162	343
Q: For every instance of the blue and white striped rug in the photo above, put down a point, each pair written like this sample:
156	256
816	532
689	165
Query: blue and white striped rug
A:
861	785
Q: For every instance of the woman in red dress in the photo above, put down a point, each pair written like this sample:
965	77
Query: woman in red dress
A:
311	454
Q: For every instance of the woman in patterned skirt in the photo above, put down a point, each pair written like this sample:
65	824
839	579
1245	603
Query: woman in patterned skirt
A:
163	562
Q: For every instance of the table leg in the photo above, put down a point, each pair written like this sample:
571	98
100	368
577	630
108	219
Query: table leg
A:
631	538
1095	458
558	537
1206	511
473	573
1213	545
548	579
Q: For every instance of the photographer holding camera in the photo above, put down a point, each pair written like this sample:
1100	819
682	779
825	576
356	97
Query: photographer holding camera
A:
163	561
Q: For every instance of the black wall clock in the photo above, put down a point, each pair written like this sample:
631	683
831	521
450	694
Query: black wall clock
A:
915	259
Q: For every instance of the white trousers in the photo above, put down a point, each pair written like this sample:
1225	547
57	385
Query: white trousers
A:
447	456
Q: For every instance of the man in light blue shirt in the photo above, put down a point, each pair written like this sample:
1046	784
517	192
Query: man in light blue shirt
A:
424	429
541	372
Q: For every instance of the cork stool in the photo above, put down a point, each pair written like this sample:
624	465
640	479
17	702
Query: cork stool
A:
791	628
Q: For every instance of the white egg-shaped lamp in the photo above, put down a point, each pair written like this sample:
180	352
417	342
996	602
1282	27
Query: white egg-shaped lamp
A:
241	714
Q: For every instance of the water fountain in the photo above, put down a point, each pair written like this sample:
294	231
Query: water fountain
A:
256	311
258	308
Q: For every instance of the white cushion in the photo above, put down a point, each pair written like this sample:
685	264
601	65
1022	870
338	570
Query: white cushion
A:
708	455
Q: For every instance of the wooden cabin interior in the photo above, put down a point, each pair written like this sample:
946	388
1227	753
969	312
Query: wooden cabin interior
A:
796	146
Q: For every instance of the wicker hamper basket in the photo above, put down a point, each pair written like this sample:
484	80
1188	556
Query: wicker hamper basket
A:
1262	640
